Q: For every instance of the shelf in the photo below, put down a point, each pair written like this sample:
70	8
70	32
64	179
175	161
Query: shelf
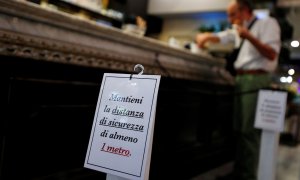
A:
109	17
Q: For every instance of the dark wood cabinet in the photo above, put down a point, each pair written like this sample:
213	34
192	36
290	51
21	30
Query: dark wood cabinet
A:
50	110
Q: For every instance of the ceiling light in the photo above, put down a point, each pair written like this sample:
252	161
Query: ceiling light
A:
291	72
295	44
283	79
289	79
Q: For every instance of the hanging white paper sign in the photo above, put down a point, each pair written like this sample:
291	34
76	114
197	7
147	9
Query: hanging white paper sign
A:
121	137
270	110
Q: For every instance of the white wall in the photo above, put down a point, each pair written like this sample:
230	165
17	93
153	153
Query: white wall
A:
158	7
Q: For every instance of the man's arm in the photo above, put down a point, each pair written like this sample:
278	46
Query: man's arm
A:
203	38
262	48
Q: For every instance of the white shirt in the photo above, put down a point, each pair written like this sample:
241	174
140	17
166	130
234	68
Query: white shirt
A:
267	31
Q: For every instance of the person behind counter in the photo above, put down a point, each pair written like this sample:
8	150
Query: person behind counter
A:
135	25
256	60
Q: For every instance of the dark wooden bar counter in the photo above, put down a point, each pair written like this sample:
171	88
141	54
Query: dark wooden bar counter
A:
51	67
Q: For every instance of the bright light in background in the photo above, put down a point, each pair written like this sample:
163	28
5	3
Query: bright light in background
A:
283	79
286	79
289	79
295	44
291	72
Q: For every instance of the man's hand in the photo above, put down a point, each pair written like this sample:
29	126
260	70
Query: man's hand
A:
243	32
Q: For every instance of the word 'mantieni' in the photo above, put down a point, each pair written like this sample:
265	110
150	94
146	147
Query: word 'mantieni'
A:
128	99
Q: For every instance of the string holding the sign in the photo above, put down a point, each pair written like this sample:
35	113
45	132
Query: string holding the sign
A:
137	68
